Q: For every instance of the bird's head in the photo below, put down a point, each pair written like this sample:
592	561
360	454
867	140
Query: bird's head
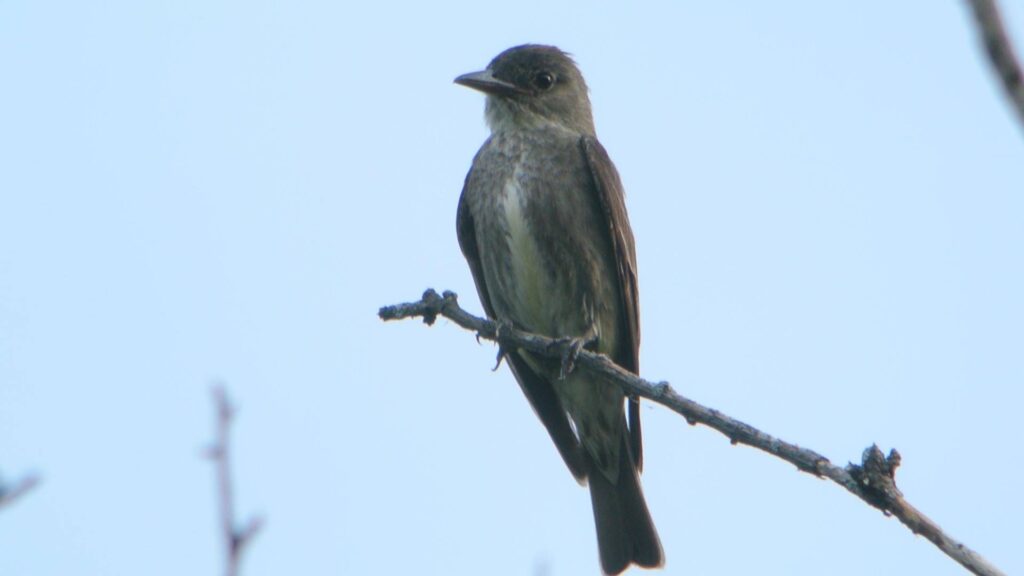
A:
530	86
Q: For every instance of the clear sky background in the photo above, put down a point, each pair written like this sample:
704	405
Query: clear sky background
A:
828	202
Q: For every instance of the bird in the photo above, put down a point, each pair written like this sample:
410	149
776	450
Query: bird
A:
542	224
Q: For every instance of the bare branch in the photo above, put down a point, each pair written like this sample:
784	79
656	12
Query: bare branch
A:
9	494
873	481
236	538
1000	51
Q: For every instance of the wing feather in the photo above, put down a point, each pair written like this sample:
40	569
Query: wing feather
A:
610	194
537	390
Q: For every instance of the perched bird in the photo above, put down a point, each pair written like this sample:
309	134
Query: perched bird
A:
542	222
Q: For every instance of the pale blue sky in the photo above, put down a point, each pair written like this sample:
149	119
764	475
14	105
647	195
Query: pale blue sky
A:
827	199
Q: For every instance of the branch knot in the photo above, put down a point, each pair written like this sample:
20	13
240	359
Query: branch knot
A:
876	476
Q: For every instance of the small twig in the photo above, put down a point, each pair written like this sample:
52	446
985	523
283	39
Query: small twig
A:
235	538
8	494
873	481
1000	51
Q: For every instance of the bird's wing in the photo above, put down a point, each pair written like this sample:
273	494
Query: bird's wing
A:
609	191
538	390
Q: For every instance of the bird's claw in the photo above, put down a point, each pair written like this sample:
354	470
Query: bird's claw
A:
499	327
497	362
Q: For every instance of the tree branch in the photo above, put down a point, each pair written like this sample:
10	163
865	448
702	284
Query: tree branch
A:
873	480
10	493
1000	51
236	537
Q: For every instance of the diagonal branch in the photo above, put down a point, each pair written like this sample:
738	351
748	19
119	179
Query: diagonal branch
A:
873	481
1000	51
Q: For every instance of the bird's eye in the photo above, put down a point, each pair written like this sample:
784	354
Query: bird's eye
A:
544	80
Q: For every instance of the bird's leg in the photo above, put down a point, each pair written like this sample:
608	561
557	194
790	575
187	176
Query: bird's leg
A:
570	347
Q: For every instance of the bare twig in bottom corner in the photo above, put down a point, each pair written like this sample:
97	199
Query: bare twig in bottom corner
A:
10	493
877	474
873	481
236	537
1000	51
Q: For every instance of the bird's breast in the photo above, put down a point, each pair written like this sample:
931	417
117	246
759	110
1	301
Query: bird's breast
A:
529	267
544	247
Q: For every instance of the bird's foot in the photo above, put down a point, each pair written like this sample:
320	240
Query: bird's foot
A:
499	327
570	348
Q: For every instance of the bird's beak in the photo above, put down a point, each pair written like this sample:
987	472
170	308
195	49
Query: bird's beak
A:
485	82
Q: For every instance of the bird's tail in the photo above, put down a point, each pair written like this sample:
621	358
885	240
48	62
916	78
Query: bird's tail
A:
625	531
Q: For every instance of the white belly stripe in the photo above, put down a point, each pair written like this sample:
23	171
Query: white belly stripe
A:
528	272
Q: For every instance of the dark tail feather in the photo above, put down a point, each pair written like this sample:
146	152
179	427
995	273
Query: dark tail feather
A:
625	531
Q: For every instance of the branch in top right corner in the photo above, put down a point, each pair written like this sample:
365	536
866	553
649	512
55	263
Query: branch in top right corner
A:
1000	52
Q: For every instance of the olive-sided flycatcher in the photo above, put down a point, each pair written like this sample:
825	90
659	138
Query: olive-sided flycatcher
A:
542	222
